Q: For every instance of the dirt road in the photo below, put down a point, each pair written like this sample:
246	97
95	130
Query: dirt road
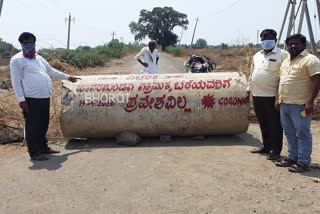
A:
216	175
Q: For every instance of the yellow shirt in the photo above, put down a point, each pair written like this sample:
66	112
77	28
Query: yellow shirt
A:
295	82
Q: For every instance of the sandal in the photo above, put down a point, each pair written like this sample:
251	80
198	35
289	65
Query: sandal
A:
285	163
298	168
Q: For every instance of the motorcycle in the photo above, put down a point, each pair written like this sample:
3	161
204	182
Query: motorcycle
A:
196	64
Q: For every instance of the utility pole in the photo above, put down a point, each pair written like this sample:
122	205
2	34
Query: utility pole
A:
258	37
194	31
69	28
113	35
180	37
1	3
304	13
318	9
315	26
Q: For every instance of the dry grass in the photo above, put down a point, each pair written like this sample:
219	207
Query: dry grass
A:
10	113
4	73
238	59
61	66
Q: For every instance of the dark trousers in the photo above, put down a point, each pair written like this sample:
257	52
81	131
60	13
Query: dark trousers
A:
36	124
270	124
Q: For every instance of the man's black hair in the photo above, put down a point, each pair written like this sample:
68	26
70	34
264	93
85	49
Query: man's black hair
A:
301	37
26	36
153	42
269	31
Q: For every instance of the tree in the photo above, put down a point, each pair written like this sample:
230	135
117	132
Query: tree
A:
250	45
7	49
84	48
158	25
224	46
201	44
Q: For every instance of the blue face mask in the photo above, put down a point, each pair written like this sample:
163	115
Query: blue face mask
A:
28	48
268	44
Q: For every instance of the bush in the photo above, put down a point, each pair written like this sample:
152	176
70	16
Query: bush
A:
6	49
112	50
175	51
78	58
84	57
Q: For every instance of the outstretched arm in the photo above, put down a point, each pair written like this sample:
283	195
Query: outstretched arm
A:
58	74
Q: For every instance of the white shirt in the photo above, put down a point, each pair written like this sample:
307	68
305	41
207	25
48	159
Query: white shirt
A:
265	72
31	77
151	58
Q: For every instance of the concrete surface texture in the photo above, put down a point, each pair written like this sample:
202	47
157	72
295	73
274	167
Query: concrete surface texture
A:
215	175
153	105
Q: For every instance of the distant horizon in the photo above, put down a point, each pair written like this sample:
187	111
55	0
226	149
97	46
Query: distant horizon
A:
230	46
229	21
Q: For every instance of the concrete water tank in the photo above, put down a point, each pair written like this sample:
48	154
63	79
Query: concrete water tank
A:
153	105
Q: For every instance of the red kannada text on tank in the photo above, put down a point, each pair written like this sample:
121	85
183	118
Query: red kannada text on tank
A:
148	102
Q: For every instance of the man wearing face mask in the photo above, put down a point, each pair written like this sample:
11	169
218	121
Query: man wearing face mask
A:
30	77
263	86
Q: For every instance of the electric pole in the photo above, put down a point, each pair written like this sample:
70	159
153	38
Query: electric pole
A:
69	28
180	37
258	37
194	31
315	27
113	35
304	13
1	3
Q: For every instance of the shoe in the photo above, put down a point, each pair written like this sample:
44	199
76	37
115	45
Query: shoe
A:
39	157
50	151
285	163
274	156
261	150
298	168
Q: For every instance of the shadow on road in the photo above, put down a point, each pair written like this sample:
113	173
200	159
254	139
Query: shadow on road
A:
314	173
55	161
245	139
239	140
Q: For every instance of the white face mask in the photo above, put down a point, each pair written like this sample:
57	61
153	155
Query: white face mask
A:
268	44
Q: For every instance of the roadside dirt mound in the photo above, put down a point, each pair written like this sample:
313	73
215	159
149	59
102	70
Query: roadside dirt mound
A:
10	134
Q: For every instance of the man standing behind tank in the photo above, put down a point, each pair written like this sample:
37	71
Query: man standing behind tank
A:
30	76
263	85
298	88
149	58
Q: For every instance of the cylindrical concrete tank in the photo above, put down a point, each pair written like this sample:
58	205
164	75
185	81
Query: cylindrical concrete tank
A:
152	105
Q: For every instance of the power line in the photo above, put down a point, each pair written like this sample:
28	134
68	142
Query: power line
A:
227	8
50	7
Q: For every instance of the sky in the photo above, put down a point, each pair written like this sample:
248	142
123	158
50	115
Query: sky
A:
221	21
